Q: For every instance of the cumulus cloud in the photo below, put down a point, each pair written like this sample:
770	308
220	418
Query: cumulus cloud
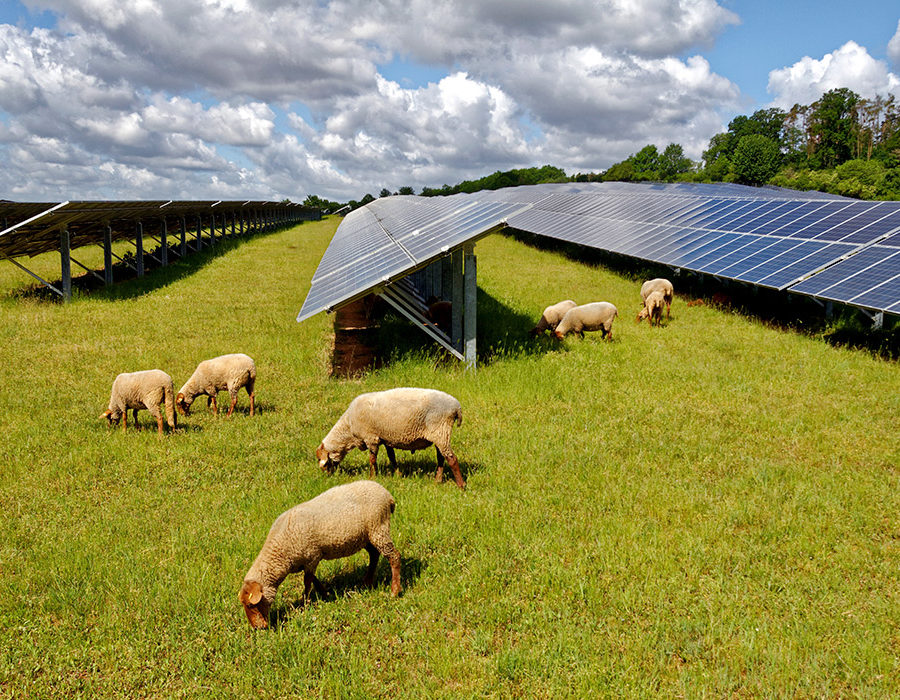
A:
893	47
849	66
166	98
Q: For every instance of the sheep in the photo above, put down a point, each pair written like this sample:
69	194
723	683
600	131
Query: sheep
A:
652	308
597	316
224	373
405	418
658	285
440	313
552	316
337	523
137	390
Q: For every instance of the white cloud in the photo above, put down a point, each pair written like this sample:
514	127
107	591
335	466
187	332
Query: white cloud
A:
850	66
893	47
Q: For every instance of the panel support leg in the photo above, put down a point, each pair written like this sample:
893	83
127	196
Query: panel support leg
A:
107	256
183	236
139	248
471	295
163	244
456	307
65	263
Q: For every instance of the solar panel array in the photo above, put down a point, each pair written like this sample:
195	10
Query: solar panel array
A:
391	237
812	243
33	228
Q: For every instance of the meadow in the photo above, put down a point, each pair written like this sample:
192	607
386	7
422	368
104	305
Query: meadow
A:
707	509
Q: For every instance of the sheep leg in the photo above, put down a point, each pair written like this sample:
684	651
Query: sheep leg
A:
252	401
211	401
310	580
125	421
373	457
373	563
439	477
134	416
393	459
233	404
381	541
454	466
159	423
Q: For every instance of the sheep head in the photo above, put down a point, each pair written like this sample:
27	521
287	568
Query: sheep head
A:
111	418
181	403
255	604
328	460
558	335
642	314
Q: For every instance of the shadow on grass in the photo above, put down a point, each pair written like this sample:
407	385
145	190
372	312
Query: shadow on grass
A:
341	584
126	283
847	326
502	332
421	465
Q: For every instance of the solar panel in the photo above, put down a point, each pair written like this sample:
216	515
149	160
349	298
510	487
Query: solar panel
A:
768	236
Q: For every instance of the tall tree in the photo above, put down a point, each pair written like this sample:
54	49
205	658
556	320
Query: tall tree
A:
833	125
756	159
673	162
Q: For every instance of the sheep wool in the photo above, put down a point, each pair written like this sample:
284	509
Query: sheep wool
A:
661	285
653	306
552	316
596	316
137	390
224	373
406	418
337	523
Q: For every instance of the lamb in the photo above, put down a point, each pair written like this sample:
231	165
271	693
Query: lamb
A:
137	390
652	309
337	523
658	285
552	316
224	373
405	418
597	316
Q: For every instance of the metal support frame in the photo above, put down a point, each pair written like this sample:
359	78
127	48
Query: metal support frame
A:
163	242
37	277
199	232
65	258
107	255
456	306
139	245
86	268
212	229
123	261
471	301
409	307
183	241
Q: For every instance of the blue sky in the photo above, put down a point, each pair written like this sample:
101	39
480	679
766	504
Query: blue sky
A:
241	98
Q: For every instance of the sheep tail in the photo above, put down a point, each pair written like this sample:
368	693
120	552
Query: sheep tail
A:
170	406
458	416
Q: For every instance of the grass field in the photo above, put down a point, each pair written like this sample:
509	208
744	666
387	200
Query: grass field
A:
708	509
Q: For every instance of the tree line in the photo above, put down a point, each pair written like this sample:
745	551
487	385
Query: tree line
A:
841	143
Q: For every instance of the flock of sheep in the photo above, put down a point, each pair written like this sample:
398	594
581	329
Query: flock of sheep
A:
348	518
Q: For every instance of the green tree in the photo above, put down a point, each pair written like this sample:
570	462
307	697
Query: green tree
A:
646	162
833	126
673	162
385	192
406	190
756	159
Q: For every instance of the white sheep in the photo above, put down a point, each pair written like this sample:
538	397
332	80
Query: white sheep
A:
652	308
137	390
337	523
658	285
225	373
552	316
405	418
596	316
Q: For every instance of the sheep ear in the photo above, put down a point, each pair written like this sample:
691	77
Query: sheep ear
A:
106	414
251	593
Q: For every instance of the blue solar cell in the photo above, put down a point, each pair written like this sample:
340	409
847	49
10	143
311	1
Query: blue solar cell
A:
781	261
736	254
840	271
740	268
691	259
802	216
878	228
739	241
757	217
807	265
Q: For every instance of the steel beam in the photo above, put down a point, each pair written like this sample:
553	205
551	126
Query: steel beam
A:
471	302
107	256
65	263
139	246
456	306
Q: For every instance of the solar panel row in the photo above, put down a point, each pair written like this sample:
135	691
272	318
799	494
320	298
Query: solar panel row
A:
812	243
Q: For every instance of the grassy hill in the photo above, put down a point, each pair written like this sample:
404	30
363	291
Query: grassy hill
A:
707	509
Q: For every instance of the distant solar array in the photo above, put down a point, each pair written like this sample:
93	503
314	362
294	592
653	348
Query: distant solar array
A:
829	247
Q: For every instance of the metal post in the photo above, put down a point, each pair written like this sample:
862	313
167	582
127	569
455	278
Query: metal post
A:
164	243
65	263
878	321
183	236
471	294
107	256
456	308
446	278
232	225
212	229
139	248
199	232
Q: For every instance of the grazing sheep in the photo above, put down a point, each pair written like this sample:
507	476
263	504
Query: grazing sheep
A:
597	316
440	313
552	316
224	373
652	309
658	285
337	523
405	418
137	390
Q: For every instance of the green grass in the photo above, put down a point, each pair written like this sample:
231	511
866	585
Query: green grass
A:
707	509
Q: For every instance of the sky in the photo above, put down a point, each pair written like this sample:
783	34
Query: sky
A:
274	99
